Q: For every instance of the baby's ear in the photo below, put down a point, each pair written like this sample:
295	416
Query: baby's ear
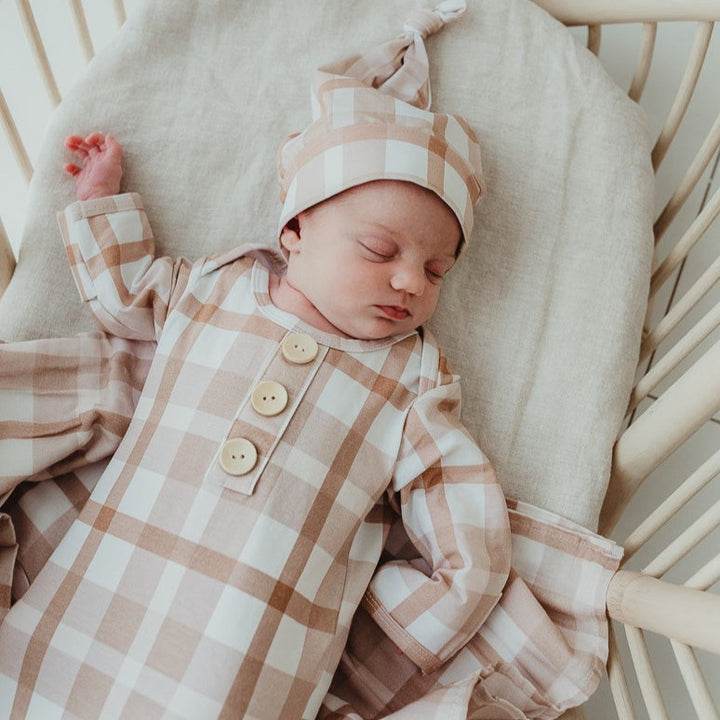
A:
290	235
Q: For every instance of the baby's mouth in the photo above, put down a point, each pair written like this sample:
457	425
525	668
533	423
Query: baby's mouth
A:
395	312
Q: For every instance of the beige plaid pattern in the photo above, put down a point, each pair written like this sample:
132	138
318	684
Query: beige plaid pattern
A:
566	639
8	555
150	576
54	395
41	514
64	404
184	591
371	121
541	650
549	552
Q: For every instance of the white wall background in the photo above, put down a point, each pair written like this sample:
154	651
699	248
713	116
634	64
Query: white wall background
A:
25	94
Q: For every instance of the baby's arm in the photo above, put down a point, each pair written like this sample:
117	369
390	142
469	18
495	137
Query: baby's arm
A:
100	170
111	247
432	600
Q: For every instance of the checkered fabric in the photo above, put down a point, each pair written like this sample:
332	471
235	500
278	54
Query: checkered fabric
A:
569	624
186	590
41	514
53	400
63	405
372	121
541	650
8	555
173	594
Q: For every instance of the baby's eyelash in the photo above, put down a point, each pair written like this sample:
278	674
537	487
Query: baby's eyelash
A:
379	253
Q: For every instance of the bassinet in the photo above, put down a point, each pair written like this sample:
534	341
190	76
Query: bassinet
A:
667	587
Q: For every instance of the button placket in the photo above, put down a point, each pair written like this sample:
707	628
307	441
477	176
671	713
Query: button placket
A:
268	409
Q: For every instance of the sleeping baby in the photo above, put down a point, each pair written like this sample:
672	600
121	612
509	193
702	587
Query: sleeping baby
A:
295	462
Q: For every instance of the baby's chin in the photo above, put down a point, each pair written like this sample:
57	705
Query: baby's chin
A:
379	329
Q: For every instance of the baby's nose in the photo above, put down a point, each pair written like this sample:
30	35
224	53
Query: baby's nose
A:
409	279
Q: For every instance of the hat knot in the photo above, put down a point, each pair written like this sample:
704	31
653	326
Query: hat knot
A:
425	21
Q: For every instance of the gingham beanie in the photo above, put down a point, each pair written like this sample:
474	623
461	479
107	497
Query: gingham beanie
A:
372	121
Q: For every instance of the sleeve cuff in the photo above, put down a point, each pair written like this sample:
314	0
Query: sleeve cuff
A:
104	206
418	653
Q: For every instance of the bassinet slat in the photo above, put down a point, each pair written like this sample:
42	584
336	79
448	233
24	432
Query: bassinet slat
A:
18	148
644	61
686	345
684	407
694	682
680	310
617	679
594	39
646	677
678	612
684	93
698	228
119	10
685	541
35	41
706	576
689	181
7	259
82	29
591	12
667	509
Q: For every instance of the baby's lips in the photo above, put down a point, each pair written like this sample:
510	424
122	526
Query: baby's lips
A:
396	312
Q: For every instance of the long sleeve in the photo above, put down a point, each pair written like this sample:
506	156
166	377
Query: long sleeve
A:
111	250
65	402
434	598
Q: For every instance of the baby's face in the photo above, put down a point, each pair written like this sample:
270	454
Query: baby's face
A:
371	260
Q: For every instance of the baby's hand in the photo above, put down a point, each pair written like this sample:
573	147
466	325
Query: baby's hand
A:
99	172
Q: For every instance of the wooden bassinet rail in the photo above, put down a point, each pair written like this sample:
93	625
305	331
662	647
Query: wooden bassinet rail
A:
677	393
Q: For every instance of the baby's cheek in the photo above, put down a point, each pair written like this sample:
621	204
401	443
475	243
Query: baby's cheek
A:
430	304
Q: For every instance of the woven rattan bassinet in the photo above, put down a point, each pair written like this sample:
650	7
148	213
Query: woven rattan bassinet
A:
663	504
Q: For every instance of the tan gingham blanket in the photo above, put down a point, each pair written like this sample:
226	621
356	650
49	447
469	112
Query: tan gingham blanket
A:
538	649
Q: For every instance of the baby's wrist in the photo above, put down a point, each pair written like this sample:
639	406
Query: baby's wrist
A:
97	193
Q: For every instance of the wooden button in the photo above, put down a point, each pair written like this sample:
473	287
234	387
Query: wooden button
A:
299	348
269	398
238	456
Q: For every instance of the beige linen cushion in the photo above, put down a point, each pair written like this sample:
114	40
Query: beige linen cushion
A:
542	316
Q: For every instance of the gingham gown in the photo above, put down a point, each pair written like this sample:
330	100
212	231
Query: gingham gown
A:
207	586
191	587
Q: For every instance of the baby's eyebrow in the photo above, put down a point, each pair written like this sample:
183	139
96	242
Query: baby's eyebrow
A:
378	225
449	257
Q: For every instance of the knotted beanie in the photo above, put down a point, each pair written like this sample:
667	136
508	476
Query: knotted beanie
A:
372	121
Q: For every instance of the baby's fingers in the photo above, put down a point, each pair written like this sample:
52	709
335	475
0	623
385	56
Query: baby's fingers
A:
77	145
112	147
72	169
95	139
84	146
73	141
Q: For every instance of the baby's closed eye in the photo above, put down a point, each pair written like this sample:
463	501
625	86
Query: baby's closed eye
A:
377	248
